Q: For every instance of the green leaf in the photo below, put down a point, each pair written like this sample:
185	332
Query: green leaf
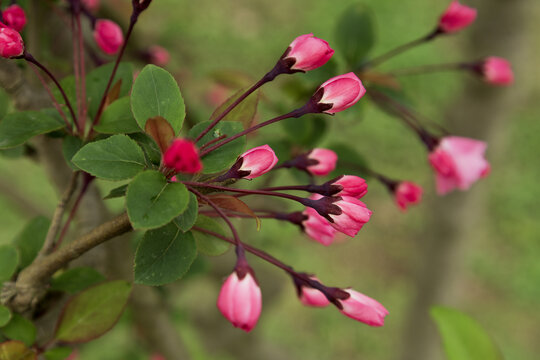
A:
244	112
58	353
188	217
225	157
16	350
164	255
13	153
117	192
208	244
92	312
463	337
115	158
151	150
307	132
156	93
355	34
30	240
70	146
21	329
118	119
4	103
9	259
5	315
77	279
152	201
18	127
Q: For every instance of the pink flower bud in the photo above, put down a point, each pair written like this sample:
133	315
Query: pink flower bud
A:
456	17
324	161
318	228
353	186
91	5
407	193
354	214
363	308
312	297
257	161
14	17
240	300
307	52
158	55
340	93
11	43
497	71
458	162
183	156
108	36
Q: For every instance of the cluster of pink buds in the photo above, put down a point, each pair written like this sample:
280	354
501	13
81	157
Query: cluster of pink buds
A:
11	41
14	17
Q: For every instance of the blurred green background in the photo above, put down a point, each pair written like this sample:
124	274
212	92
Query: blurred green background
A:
494	269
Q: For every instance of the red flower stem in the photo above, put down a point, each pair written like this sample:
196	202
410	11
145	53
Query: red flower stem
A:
213	214
76	72
82	73
213	141
430	69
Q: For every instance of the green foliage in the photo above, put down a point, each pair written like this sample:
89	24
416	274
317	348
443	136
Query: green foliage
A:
115	158
58	353
92	312
156	93
9	259
4	103
152	201
225	157
30	240
77	279
307	132
118	118
463	337
5	315
70	146
117	192
21	329
16	350
350	161
208	244
150	149
188	217
243	113
355	34
164	255
18	127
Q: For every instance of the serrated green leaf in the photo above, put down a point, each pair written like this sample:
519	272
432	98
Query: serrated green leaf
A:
208	244
188	217
115	158
164	255
58	353
92	312
243	113
16	350
117	192
225	157
18	127
5	315
156	93
77	279
152	201
30	240
9	259
463	337
118	119
21	329
355	34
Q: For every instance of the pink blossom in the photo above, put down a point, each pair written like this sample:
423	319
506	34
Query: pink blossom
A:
341	92
407	193
108	36
158	55
258	161
353	186
240	300
11	43
183	156
354	214
497	71
458	162
325	161
456	17
318	228
14	17
308	52
363	308
91	5
312	297
157	357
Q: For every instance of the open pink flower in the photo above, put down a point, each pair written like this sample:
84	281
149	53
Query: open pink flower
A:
318	228
108	36
456	17
407	193
11	43
363	308
326	161
312	297
458	162
258	161
341	92
308	53
353	186
183	156
354	214
497	71
14	17
240	300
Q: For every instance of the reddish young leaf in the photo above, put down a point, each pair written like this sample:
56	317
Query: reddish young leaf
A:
114	93
234	204
161	131
16	350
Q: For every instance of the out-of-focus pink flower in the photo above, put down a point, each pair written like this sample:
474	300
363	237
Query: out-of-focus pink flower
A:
354	214
353	186
159	55
183	156
217	95
14	17
458	162
157	357
11	43
312	297
363	308
91	5
456	17
308	53
326	161
258	161
407	193
497	71
340	93
318	228
240	300
108	36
